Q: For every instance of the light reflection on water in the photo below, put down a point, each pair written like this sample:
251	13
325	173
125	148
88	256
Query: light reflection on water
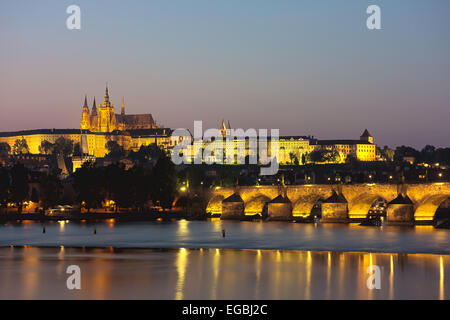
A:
28	273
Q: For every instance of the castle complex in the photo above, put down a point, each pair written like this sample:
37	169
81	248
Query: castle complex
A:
98	126
292	149
101	124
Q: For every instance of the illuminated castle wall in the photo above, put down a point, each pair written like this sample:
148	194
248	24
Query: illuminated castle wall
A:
131	131
363	149
292	149
98	127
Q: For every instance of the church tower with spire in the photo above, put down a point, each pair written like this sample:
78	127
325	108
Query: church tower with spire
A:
106	114
94	117
102	118
85	117
225	130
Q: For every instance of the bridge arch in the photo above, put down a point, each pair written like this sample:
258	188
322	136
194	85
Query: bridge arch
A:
426	210
256	205
215	204
303	206
360	206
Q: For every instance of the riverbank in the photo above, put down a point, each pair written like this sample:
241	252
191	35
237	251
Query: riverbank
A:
128	216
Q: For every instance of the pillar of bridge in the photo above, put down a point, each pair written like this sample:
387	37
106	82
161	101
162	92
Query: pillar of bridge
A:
233	207
400	211
280	209
335	209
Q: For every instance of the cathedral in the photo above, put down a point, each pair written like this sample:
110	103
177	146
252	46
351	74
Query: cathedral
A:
99	126
106	120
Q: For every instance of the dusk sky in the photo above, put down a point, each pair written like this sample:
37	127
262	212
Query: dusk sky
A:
305	67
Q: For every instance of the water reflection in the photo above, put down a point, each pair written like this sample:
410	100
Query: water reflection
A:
441	278
31	272
216	270
181	263
391	277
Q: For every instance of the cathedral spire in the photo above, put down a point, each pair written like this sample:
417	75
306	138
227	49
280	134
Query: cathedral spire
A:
85	101
106	93
94	109
85	121
123	106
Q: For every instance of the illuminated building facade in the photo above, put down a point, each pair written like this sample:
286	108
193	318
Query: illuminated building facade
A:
292	149
97	127
363	149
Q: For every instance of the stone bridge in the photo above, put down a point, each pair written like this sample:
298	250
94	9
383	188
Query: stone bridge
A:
407	203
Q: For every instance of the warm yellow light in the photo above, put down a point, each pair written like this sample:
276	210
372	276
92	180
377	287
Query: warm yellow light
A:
183	189
424	218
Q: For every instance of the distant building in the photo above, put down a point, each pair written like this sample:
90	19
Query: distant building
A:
292	149
363	149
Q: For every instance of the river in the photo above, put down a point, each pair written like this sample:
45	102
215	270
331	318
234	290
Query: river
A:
192	260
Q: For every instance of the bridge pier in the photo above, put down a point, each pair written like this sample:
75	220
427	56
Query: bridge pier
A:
280	209
335	209
233	207
400	211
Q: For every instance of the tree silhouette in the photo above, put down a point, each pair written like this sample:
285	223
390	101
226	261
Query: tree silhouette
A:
164	182
89	185
118	186
4	187
21	147
5	148
141	185
19	185
114	149
51	189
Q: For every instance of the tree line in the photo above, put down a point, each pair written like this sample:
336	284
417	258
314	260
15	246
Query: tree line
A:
132	188
93	185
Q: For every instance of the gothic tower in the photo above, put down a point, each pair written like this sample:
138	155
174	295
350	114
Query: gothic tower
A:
94	117
106	115
85	118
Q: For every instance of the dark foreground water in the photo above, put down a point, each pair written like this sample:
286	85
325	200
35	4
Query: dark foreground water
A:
111	273
239	235
255	260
